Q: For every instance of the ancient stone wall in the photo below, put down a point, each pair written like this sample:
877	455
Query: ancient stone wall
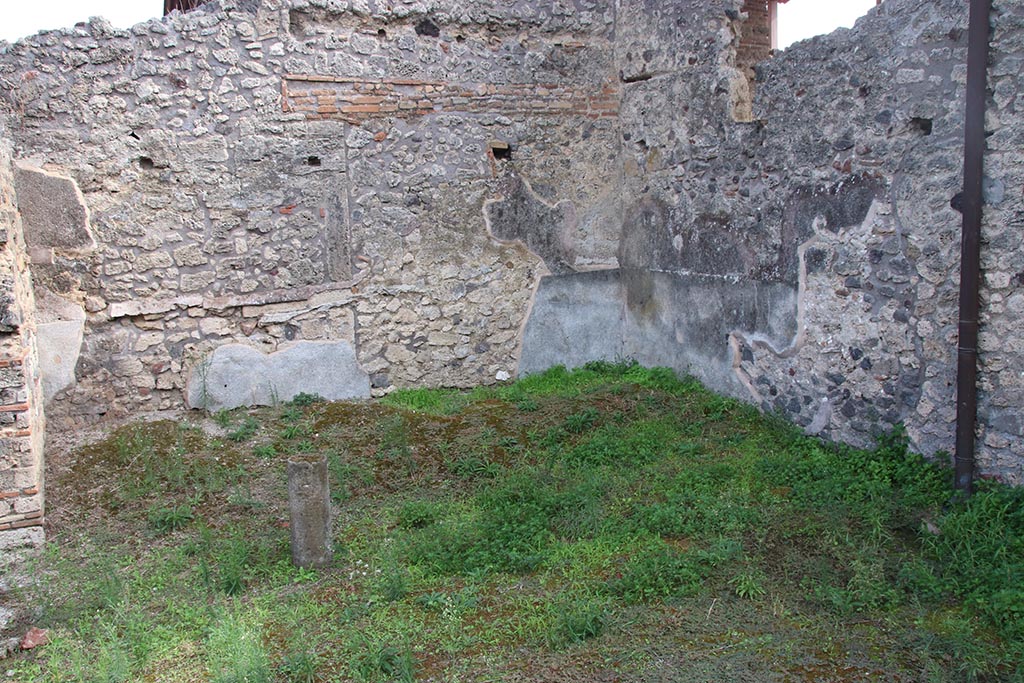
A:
21	416
864	184
840	189
1001	345
318	173
446	193
884	105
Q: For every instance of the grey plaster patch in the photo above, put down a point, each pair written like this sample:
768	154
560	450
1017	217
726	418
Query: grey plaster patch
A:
661	238
53	210
575	319
833	207
237	375
690	319
60	326
60	344
685	323
546	229
993	190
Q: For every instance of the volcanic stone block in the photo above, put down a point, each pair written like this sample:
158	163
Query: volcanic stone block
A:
53	211
16	544
309	504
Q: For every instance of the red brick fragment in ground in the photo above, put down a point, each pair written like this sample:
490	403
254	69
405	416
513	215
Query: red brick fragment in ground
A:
34	638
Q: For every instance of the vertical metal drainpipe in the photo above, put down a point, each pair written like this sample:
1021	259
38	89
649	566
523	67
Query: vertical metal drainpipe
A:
970	249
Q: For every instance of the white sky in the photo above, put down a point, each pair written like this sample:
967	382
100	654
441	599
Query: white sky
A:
20	18
798	19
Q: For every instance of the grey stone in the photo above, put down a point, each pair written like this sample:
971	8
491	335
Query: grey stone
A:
20	541
309	506
10	316
1006	421
9	646
6	619
236	375
60	326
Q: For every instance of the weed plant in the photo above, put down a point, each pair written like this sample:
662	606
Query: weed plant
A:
299	667
246	430
236	653
170	518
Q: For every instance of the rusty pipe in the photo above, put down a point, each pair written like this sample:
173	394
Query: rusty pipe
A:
970	246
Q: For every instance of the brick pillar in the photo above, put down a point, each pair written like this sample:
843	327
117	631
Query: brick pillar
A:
756	38
21	400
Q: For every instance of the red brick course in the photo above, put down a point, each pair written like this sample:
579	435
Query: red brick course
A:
355	101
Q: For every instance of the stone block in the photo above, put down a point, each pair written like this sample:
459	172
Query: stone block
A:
53	211
157	259
28	504
189	255
20	540
309	506
59	336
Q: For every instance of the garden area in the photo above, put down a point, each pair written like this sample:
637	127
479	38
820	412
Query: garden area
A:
611	523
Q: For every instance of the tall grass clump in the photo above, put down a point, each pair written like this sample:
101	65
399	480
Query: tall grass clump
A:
235	652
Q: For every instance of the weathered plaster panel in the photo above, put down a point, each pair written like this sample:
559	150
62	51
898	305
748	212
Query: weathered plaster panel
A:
235	375
680	321
574	319
60	331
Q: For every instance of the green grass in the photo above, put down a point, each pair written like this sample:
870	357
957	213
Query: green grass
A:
612	522
432	401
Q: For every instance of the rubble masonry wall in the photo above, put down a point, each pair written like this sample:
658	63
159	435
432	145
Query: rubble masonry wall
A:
464	191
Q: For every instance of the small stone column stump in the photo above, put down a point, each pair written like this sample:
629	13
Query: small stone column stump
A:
309	503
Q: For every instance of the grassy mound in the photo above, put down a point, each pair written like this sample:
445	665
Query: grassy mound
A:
609	523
